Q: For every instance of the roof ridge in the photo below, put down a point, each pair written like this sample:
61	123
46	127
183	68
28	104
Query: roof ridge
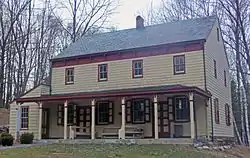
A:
171	22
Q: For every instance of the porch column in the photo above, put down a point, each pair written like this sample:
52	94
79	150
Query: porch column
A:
65	118
93	119
156	116
40	104
122	130
191	109
18	121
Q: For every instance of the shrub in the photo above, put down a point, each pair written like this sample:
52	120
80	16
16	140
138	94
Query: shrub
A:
27	138
6	139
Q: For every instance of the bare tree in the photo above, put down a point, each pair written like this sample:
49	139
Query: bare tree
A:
9	15
86	15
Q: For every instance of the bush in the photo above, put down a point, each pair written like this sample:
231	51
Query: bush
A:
6	139
27	138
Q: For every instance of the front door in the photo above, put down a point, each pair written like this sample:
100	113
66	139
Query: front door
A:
83	119
163	120
45	123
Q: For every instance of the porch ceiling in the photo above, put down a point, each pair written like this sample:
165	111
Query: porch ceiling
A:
164	89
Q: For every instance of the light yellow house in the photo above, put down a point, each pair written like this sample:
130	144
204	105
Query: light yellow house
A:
162	81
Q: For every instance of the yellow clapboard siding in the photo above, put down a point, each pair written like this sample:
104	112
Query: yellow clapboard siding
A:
157	70
215	50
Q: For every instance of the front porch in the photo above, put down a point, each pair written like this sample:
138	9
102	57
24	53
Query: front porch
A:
119	118
149	115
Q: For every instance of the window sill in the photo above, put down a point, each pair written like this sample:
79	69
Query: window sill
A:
102	123
179	73
138	76
182	121
102	80
69	83
138	122
24	128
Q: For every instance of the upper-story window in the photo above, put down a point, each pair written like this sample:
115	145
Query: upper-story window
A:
179	64
218	34
69	76
103	72
215	69
137	68
225	78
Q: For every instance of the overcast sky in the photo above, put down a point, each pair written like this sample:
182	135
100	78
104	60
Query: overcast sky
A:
128	10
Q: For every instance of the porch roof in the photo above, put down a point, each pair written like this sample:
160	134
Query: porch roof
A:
118	92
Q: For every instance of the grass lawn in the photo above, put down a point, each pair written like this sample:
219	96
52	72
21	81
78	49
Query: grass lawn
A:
107	151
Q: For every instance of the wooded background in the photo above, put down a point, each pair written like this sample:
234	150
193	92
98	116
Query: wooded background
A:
32	32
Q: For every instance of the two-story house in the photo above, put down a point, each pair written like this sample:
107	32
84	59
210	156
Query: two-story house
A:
162	81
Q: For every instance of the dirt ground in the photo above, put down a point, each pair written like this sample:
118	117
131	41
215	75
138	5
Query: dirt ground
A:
236	152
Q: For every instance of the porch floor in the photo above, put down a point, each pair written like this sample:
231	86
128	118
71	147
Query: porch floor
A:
126	141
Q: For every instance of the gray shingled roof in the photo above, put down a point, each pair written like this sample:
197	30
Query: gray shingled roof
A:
180	31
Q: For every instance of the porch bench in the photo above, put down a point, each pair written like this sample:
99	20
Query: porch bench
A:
110	132
74	133
134	132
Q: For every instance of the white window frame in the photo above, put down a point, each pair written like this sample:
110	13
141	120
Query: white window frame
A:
100	71
134	64
177	63
24	116
69	77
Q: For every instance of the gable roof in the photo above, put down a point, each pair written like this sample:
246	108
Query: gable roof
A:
167	33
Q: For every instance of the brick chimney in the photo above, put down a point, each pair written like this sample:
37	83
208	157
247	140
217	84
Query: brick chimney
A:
139	22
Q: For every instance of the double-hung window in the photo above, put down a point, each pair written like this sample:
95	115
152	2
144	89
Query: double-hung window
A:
179	64
216	111
137	66
138	111
181	109
104	112
103	72
24	117
69	76
227	115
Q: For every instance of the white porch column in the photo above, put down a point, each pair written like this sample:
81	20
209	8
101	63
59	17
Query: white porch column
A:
122	130
65	118
18	121
192	124
93	119
40	104
156	116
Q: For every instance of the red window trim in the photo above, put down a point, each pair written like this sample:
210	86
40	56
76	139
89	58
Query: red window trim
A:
101	80
225	78
227	115
215	69
66	70
216	111
133	69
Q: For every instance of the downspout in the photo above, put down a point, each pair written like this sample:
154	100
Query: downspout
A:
212	122
50	77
